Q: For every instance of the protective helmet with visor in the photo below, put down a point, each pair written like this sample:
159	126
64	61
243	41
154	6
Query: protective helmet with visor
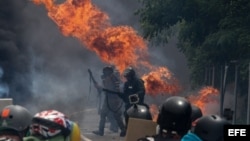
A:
50	124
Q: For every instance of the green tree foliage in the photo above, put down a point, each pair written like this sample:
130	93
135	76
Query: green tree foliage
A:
210	32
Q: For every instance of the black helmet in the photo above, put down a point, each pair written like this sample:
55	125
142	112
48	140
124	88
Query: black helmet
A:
139	111
175	115
196	113
15	117
107	70
129	72
210	127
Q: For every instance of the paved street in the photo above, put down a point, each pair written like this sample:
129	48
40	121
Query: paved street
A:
90	123
89	120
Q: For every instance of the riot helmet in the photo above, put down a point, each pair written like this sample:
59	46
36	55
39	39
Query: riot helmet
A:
15	117
139	111
129	73
196	113
175	115
210	127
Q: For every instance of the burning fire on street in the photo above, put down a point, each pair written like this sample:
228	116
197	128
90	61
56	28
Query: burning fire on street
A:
204	96
153	81
117	45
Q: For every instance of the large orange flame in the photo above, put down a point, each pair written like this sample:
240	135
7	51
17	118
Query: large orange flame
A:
83	20
117	45
206	95
154	83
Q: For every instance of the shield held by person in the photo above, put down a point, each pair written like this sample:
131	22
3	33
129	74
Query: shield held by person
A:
138	128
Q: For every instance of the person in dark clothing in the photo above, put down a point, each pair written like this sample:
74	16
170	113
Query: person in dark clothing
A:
134	91
112	104
174	120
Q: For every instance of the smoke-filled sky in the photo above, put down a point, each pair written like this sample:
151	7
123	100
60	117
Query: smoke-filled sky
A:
50	70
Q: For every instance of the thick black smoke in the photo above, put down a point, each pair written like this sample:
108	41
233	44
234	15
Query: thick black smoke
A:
14	59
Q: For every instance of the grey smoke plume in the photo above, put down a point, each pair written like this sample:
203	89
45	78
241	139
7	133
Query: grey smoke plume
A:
43	69
58	66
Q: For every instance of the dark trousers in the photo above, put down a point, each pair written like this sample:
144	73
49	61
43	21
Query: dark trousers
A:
126	115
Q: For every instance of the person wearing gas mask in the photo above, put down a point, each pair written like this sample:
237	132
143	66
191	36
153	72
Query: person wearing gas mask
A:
112	104
133	91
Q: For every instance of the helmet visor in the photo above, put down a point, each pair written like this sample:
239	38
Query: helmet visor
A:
44	132
45	129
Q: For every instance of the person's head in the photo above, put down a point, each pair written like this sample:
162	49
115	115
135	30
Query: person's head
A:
210	127
175	115
196	113
107	70
129	73
53	125
139	111
14	122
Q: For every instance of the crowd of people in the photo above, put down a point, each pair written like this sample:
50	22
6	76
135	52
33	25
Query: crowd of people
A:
178	118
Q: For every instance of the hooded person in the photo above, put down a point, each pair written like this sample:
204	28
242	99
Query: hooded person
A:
134	91
52	125
112	105
14	123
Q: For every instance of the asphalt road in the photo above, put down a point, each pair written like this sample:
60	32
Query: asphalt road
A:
91	122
